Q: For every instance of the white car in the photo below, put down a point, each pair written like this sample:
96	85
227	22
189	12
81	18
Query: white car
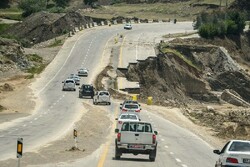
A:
83	72
126	117
69	84
235	153
101	97
131	108
128	26
76	78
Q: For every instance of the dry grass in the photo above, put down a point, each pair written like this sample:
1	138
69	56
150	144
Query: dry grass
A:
181	10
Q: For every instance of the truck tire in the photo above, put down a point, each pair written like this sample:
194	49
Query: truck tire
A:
152	155
117	153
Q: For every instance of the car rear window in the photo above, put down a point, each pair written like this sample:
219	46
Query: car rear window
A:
131	106
136	127
87	87
69	81
240	146
104	93
133	117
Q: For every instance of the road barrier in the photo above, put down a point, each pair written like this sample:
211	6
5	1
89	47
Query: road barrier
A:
134	97
150	100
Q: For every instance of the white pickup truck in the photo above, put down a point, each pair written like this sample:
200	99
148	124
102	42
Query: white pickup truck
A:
136	138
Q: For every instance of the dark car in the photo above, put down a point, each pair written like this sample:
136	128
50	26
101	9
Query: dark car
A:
86	90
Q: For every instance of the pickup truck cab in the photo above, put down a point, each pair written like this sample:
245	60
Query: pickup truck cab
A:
136	138
102	97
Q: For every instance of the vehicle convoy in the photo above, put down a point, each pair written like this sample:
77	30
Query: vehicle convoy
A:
235	153
69	84
136	138
101	97
83	72
126	117
86	90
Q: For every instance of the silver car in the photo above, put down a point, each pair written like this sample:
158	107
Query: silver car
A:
83	72
102	97
76	78
69	84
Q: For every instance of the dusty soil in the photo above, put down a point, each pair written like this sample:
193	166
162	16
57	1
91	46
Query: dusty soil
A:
89	130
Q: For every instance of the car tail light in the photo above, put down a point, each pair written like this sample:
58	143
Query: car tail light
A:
137	110
119	137
232	160
154	138
120	122
124	110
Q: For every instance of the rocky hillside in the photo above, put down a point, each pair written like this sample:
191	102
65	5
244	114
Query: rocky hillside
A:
12	58
189	70
43	26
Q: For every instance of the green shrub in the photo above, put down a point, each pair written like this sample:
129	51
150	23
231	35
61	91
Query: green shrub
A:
208	30
32	6
35	58
4	27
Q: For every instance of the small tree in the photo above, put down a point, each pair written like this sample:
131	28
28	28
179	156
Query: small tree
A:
32	6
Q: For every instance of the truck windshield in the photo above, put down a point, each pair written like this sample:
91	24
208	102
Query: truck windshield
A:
136	127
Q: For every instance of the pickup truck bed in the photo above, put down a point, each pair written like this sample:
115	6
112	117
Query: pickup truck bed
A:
136	138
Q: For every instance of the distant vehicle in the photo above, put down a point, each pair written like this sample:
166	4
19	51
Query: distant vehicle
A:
235	153
83	72
129	102
136	138
76	78
126	117
128	26
69	84
102	97
86	90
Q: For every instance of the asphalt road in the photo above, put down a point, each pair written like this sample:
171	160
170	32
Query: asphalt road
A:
58	110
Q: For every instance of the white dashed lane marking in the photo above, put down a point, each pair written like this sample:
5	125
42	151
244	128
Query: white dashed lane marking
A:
171	153
166	146
178	160
183	165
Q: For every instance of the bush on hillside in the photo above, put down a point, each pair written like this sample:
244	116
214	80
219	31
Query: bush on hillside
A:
220	24
32	6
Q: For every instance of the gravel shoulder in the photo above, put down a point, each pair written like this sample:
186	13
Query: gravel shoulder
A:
91	135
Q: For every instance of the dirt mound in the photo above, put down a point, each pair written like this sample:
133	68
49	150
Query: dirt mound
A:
12	58
231	123
6	87
168	79
43	26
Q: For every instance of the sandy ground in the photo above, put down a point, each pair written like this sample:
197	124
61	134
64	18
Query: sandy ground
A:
91	135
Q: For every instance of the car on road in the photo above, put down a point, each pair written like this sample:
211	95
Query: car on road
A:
76	78
128	26
136	138
235	153
131	108
69	84
86	90
129	102
83	72
126	117
101	97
